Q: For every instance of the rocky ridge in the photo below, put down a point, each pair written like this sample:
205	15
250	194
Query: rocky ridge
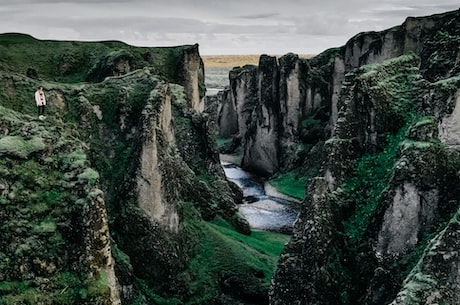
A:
118	196
378	115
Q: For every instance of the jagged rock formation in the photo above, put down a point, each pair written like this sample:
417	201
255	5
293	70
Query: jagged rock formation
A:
309	89
119	195
313	240
379	115
391	168
435	278
53	217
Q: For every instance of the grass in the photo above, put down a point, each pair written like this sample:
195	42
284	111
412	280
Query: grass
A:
370	178
392	84
73	61
290	184
40	218
229	261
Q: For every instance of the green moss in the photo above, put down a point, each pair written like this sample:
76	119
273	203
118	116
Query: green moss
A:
416	144
19	147
99	286
76	159
310	129
426	120
148	293
392	85
365	187
48	225
89	176
223	142
178	94
290	183
72	61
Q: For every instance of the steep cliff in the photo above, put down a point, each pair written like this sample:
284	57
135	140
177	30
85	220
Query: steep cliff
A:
309	89
118	196
389	176
375	121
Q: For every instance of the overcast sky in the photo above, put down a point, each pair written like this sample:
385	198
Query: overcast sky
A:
218	26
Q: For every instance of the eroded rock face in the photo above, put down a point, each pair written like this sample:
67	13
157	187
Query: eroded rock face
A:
436	277
311	88
237	102
312	246
151	199
55	234
156	171
191	76
449	126
290	95
409	211
416	95
262	144
97	237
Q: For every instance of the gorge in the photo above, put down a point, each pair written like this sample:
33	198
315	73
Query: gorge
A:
372	126
119	196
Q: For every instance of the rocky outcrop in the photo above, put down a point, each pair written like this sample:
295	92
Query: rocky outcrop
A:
449	126
310	88
132	181
190	74
435	278
314	247
392	167
157	119
55	228
98	251
261	144
238	102
373	103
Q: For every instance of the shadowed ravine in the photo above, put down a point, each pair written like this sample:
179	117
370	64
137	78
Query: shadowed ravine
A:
263	207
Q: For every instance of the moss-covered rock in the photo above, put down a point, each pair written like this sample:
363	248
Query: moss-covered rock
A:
52	217
130	151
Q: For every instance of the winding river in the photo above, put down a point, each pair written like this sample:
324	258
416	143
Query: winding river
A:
263	207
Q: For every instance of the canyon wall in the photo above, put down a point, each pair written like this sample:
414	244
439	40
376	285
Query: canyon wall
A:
389	176
379	117
308	90
110	198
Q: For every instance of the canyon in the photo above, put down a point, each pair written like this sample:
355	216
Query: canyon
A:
119	195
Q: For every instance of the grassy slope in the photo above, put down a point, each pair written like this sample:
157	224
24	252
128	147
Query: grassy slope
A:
71	61
228	260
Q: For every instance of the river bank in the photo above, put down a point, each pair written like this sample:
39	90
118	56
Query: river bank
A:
263	206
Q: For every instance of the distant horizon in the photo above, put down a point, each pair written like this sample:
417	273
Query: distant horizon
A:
172	46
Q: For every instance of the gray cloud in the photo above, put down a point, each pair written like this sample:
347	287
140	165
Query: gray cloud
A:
258	16
239	26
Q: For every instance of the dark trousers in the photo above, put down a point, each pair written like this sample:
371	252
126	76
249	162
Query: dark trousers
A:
41	110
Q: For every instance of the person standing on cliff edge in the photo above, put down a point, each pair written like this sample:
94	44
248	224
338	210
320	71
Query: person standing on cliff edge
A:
41	102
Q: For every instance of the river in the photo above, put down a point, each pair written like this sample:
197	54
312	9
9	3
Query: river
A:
263	207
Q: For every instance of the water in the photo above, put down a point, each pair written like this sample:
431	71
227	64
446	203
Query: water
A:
216	78
263	209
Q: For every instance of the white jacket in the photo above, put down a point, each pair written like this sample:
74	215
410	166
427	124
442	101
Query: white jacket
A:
40	98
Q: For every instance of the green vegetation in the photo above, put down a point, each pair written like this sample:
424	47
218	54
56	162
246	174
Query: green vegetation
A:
232	262
290	183
223	142
365	187
392	85
20	147
71	61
